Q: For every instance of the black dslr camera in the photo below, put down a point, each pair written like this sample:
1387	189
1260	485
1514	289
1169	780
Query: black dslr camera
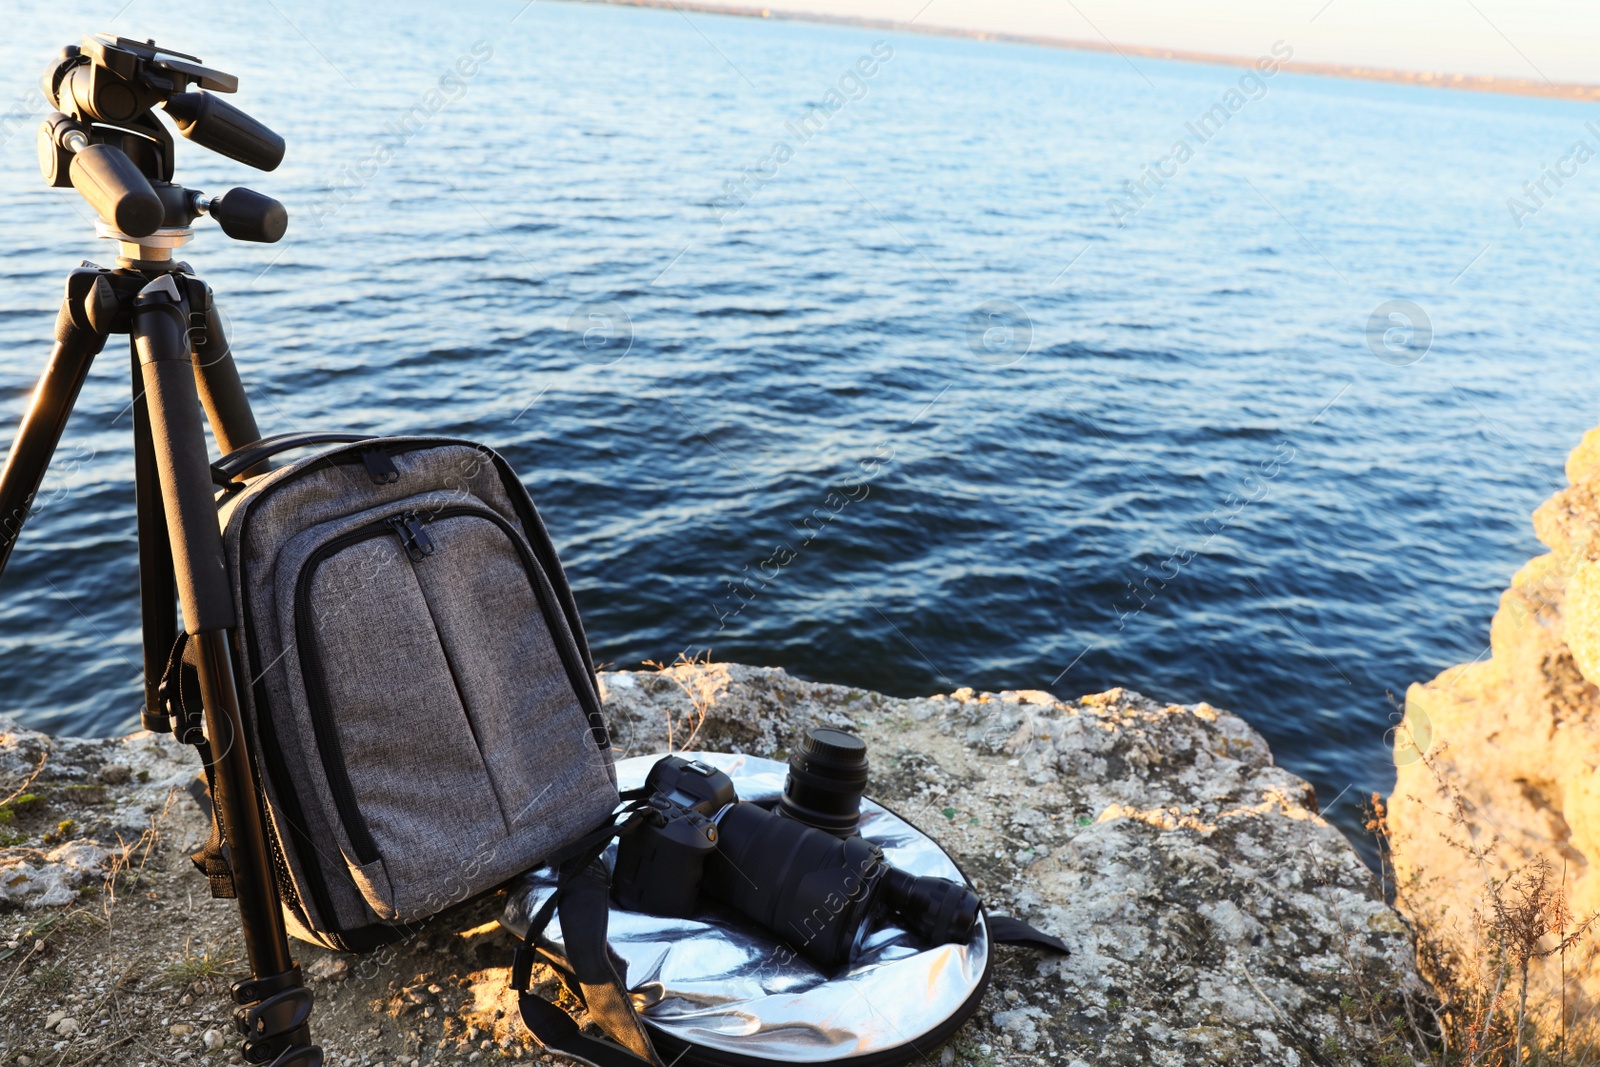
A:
817	887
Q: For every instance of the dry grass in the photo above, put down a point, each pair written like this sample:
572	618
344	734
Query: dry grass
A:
1494	1013
26	782
702	682
210	962
128	862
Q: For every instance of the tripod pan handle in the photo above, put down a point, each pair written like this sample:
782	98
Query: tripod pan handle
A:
214	123
246	215
117	190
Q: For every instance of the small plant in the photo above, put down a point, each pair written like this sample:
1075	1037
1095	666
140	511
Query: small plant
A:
87	794
51	979
195	967
970	1053
12	799
20	800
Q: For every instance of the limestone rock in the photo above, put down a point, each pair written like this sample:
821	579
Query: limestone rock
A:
105	817
1499	759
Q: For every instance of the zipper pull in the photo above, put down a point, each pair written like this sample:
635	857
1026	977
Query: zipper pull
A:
402	530
419	536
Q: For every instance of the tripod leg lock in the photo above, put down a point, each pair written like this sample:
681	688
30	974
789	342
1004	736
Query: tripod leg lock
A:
278	1015
272	1016
247	991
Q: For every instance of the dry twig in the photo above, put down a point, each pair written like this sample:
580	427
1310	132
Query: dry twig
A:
26	782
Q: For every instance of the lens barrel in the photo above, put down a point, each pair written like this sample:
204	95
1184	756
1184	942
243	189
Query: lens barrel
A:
827	775
810	888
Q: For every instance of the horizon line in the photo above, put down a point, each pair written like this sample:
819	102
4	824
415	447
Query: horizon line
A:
1481	83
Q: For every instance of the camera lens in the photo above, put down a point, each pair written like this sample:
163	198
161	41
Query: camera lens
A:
827	775
810	888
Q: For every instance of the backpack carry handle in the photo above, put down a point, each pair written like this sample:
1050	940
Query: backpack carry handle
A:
225	472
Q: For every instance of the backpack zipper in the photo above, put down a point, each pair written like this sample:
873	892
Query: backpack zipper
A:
577	672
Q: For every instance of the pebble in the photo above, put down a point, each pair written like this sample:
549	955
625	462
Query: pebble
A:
329	968
54	1018
115	774
180	1029
68	1026
212	1039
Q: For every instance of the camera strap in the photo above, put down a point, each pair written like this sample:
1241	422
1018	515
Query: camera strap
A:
590	971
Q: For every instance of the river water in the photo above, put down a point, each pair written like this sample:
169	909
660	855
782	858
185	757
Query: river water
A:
897	361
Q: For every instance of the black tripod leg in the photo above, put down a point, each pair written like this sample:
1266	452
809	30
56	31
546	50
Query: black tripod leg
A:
216	374
275	1020
76	346
157	604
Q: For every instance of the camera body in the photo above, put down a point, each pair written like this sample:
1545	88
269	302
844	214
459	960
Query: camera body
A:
661	865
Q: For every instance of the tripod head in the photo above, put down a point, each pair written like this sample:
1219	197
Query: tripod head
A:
105	140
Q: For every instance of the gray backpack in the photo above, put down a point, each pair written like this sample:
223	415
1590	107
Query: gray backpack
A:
421	699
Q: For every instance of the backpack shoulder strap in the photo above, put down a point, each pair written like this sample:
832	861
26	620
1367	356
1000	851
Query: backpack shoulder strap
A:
593	973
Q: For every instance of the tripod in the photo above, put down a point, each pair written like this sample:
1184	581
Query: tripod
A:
104	141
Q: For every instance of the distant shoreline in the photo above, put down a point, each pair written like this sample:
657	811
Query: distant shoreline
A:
1480	83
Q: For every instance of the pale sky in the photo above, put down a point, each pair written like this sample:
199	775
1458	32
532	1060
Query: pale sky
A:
1554	39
